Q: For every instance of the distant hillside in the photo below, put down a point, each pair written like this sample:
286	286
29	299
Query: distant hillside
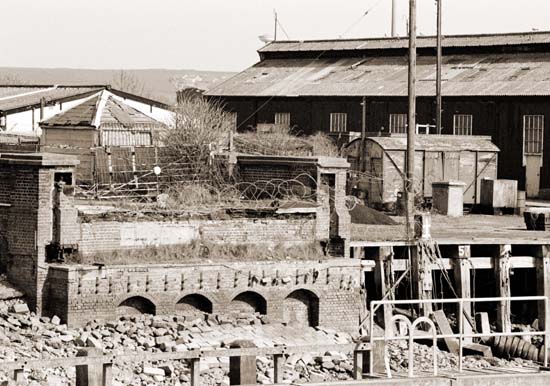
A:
156	83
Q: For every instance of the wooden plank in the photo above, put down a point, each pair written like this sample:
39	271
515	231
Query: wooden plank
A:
445	328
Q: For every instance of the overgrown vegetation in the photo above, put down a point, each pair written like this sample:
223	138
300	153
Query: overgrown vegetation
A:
201	127
199	252
285	143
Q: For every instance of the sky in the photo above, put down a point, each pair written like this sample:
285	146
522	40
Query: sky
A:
221	35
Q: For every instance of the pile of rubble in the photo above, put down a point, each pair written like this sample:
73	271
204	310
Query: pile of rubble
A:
25	335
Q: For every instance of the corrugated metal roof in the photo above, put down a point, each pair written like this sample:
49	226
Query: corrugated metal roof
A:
113	112
514	74
507	39
14	98
430	142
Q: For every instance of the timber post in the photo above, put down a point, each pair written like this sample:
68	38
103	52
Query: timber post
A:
383	274
502	266
89	375
543	288
463	283
421	277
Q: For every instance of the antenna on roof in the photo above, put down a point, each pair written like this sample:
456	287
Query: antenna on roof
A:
275	25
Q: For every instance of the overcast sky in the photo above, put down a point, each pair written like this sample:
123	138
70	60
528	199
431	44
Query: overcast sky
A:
220	34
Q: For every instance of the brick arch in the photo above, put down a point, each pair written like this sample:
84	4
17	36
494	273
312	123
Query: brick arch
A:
135	305
301	306
194	303
249	302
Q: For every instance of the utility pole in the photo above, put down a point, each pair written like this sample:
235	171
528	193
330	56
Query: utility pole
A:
393	18
438	102
275	26
411	129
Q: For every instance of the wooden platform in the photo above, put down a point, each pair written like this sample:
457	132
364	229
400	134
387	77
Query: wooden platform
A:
466	230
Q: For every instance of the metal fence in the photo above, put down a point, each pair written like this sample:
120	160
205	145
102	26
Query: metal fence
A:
461	335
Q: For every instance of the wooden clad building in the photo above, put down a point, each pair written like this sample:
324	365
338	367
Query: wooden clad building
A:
438	158
493	85
101	122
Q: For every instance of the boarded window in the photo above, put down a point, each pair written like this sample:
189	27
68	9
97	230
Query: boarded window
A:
282	119
533	132
338	122
398	123
462	124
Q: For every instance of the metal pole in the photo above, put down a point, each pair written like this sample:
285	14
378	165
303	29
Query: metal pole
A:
438	71
363	133
409	183
275	26
394	18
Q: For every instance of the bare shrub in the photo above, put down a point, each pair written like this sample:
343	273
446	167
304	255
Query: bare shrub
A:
285	144
201	127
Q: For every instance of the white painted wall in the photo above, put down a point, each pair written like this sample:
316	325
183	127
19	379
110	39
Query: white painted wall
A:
22	122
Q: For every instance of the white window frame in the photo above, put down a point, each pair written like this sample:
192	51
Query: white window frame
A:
463	124
338	122
533	134
398	123
282	119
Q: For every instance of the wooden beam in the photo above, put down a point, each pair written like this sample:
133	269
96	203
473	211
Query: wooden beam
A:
278	363
543	286
421	274
383	278
195	370
463	283
502	266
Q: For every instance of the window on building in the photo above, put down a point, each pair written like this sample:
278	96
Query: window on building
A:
462	124
282	119
338	122
398	123
533	134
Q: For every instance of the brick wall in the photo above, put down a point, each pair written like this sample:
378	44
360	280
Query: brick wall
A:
105	236
26	217
333	288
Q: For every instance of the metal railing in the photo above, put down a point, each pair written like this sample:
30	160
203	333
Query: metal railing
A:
461	335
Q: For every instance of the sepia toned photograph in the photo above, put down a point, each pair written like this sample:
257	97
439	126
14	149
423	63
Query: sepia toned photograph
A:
275	192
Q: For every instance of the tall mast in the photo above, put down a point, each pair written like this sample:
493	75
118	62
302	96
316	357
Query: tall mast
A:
393	18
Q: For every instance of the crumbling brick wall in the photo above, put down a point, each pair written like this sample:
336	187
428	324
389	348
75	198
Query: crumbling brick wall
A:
81	293
105	236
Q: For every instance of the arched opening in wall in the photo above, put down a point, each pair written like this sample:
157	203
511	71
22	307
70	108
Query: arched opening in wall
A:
249	303
136	305
194	304
301	307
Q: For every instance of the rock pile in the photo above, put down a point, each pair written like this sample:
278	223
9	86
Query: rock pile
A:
25	335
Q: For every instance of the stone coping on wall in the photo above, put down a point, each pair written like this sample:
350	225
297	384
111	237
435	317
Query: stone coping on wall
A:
332	262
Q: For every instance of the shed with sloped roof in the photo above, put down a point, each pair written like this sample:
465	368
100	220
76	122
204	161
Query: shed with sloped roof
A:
437	158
